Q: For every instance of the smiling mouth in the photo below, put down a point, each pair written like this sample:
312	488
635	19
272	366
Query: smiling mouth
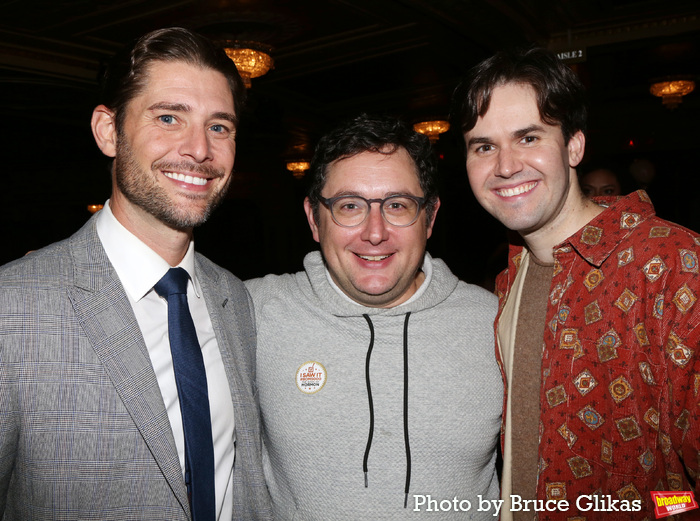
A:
518	190
192	180
373	258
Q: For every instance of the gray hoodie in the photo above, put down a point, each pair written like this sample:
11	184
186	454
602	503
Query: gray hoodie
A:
347	429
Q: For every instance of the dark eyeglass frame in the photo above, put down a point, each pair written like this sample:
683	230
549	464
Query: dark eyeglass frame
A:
330	201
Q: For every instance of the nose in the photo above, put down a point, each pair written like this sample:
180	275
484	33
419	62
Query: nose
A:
196	145
509	162
375	228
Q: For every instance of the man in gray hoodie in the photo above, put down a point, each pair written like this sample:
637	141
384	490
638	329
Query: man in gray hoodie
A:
379	389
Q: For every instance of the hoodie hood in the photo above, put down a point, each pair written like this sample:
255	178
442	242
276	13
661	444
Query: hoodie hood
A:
314	283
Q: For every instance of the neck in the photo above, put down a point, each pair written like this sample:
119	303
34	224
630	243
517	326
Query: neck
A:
542	242
169	243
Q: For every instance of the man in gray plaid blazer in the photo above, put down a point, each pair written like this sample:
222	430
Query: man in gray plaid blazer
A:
90	424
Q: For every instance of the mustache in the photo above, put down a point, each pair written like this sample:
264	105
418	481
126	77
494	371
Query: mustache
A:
188	166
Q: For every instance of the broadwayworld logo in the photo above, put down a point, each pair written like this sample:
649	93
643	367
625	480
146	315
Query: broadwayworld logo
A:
670	503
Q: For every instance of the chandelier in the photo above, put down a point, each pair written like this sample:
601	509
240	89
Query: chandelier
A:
298	168
672	92
250	60
432	129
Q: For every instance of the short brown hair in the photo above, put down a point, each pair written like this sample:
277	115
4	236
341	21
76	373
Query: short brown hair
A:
561	97
126	75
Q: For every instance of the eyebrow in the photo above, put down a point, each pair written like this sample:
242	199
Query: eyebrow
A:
350	193
183	107
175	107
479	140
528	130
226	116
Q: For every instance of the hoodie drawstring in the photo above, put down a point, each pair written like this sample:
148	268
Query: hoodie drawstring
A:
405	404
369	396
405	408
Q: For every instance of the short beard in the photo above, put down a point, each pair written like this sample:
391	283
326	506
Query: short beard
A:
140	188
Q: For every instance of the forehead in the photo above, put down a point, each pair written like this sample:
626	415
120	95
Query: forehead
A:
164	79
513	100
373	172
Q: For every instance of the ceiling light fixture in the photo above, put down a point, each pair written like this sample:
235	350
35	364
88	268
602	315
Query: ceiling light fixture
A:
252	59
671	92
298	168
432	129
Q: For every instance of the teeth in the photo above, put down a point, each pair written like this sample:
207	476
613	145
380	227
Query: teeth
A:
186	178
373	257
511	192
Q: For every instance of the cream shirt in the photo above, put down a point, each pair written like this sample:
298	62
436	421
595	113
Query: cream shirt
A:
139	268
506	339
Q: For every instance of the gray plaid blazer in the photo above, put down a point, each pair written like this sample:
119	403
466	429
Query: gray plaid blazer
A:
83	429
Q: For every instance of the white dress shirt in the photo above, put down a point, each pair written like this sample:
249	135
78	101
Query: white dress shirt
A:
139	268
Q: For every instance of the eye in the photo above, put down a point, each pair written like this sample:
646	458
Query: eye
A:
529	139
395	205
484	148
220	129
400	205
349	205
167	119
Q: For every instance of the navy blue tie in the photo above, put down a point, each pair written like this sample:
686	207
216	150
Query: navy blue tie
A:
191	380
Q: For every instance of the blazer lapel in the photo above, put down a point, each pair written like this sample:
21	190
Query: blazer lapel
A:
226	331
220	303
106	316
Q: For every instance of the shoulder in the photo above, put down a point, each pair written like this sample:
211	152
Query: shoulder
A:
32	290
477	297
659	241
216	274
57	264
660	228
475	293
448	292
220	284
637	222
47	267
450	284
270	286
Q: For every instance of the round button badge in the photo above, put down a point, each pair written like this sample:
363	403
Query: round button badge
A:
311	377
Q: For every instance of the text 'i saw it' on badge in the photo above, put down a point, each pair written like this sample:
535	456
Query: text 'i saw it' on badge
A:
311	377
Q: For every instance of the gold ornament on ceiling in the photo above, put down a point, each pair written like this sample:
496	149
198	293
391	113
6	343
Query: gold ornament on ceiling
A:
432	129
298	168
671	92
252	59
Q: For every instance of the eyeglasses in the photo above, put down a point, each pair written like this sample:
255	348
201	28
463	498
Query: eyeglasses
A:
352	210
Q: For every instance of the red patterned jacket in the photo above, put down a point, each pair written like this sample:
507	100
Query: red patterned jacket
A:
620	411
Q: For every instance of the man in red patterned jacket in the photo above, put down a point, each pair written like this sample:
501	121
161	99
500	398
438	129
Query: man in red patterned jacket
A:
599	326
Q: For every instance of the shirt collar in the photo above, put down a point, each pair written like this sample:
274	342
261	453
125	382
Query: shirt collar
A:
597	240
600	237
139	267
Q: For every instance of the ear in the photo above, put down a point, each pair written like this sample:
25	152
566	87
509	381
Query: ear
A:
576	146
310	217
104	130
432	219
